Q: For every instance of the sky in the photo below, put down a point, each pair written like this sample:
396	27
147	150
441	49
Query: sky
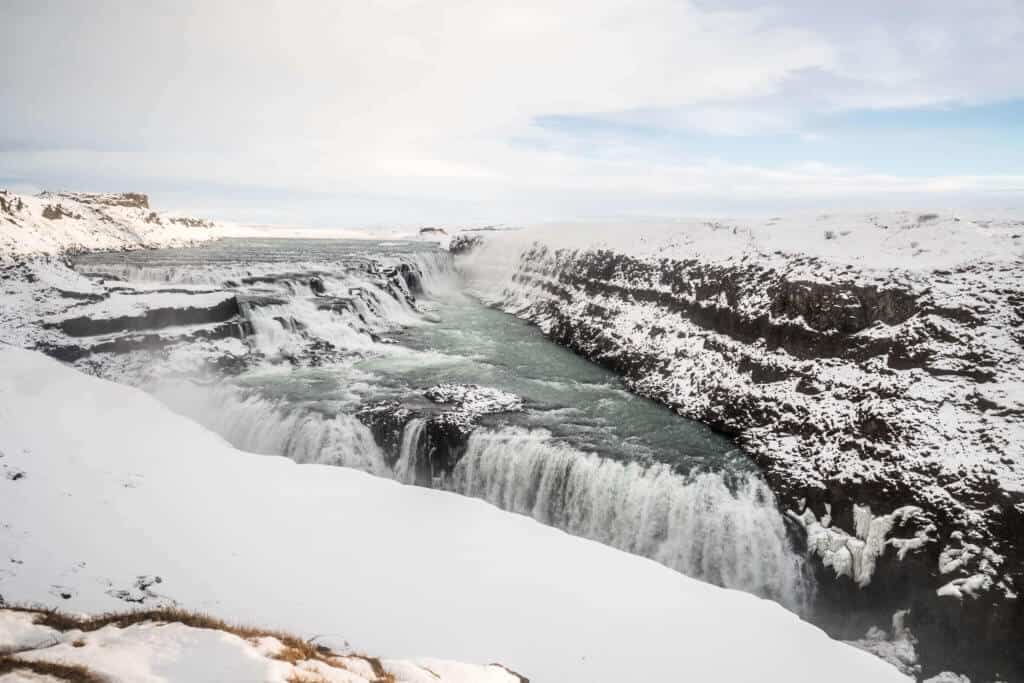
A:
345	112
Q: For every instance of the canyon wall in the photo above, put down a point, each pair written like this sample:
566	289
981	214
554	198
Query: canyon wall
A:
871	365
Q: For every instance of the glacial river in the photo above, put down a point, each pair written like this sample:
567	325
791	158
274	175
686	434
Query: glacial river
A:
582	454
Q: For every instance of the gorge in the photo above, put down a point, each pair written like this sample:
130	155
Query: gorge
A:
839	437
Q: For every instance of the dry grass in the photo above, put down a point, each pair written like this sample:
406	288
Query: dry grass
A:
380	675
306	677
72	673
519	676
293	648
296	647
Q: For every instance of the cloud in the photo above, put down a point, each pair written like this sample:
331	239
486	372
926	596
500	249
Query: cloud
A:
426	100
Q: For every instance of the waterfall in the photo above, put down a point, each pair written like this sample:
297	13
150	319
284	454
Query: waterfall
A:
408	452
355	298
288	327
733	536
434	268
260	425
437	272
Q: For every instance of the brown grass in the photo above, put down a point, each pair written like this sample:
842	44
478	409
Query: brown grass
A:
62	621
522	678
306	677
72	673
294	649
380	675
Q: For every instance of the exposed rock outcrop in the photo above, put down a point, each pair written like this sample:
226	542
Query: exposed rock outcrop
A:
67	222
152	319
859	391
433	440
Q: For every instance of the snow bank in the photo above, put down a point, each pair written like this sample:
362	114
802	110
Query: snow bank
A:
909	240
157	652
54	223
130	303
116	491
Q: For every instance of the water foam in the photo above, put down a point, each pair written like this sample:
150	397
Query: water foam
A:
409	451
733	536
261	425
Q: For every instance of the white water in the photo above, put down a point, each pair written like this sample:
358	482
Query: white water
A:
304	321
696	525
408	458
269	427
729	535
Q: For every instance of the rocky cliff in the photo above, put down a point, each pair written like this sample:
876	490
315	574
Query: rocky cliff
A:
63	222
871	365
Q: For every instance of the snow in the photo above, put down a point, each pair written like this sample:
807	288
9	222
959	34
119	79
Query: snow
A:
117	490
856	555
176	653
873	240
52	223
970	586
899	647
475	399
19	631
128	304
947	677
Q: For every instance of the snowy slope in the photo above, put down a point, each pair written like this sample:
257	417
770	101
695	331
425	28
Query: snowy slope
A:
155	651
55	223
103	490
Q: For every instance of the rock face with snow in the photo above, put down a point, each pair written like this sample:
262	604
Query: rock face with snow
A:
424	445
61	222
872	364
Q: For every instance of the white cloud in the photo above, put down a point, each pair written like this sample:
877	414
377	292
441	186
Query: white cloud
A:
420	99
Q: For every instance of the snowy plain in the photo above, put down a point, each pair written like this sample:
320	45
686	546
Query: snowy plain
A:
56	223
900	239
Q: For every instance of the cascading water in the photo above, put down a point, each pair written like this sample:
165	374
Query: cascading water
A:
409	451
287	327
721	526
260	425
698	525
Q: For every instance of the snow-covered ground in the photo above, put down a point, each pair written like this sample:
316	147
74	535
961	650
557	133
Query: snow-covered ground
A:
132	303
54	223
168	650
914	240
109	500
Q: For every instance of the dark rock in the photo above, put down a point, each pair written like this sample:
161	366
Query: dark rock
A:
760	327
463	243
152	319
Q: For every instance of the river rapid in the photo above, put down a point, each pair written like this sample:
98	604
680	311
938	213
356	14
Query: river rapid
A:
340	345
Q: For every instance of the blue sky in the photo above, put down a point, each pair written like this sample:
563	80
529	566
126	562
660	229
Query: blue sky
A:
401	111
948	140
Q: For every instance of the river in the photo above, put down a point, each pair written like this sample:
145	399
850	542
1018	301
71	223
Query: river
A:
330	333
